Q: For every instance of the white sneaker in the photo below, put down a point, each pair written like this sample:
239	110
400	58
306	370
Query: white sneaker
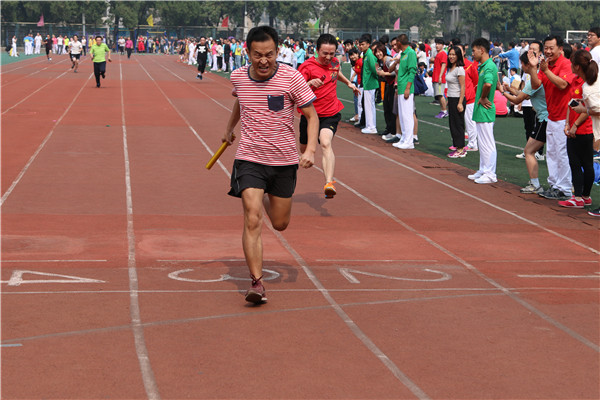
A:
539	157
485	179
369	131
474	176
388	136
404	146
521	156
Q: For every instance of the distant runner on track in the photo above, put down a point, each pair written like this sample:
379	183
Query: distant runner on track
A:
266	161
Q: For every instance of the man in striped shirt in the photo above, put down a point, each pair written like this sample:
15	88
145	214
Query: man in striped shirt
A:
266	160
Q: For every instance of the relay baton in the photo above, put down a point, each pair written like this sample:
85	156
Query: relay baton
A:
214	158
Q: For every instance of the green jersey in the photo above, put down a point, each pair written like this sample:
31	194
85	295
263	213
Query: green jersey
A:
488	73
99	52
370	80
407	70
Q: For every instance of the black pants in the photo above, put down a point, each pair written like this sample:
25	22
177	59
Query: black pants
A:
457	122
220	62
529	119
581	155
388	108
99	69
201	64
129	50
225	63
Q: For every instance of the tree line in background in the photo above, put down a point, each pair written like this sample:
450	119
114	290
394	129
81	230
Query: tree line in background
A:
502	19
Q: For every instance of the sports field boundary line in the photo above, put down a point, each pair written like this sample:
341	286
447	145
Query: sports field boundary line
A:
148	377
333	304
37	90
41	146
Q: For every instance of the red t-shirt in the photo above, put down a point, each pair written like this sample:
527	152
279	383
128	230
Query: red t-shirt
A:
327	102
556	99
576	92
358	71
267	115
471	79
427	50
440	58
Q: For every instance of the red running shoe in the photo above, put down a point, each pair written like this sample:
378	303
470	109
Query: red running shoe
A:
256	293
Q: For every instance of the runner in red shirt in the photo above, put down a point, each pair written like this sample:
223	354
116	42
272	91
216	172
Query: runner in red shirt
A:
322	73
471	80
440	62
266	160
556	76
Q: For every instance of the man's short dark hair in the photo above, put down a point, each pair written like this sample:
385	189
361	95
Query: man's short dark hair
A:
439	41
385	39
326	38
348	41
481	42
455	41
98	37
365	38
567	51
514	69
596	30
524	58
261	34
512	44
402	39
558	38
353	51
538	43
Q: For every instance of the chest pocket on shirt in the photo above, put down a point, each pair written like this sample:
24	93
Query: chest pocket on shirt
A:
275	102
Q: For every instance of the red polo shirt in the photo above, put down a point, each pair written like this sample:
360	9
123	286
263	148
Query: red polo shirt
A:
576	92
471	79
327	103
440	58
556	99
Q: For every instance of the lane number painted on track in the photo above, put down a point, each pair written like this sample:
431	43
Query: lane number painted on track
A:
349	273
17	278
224	277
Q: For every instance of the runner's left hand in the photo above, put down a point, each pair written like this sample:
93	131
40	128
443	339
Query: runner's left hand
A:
307	159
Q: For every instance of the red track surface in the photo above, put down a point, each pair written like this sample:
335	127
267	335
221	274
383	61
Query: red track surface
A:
412	283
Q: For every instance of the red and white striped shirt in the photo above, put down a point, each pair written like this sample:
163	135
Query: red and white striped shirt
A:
267	115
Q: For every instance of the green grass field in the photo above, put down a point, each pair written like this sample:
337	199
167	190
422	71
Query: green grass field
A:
5	58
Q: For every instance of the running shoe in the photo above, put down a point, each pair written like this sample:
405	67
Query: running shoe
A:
415	140
329	190
484	179
521	156
395	139
458	153
452	148
554	194
476	175
388	136
256	293
469	148
531	189
595	213
572	203
440	115
539	157
587	201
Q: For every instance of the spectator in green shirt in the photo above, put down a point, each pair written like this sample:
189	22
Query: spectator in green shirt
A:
484	112
370	82
98	54
407	70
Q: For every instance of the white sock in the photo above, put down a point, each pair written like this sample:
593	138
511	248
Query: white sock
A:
535	182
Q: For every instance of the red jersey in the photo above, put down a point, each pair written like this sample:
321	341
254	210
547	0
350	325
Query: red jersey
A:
576	92
471	80
556	99
427	50
327	102
358	71
267	115
440	58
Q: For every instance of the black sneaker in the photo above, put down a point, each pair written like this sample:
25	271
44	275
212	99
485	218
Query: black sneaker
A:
416	140
595	213
554	194
395	139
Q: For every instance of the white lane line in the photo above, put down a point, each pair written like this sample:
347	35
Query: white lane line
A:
353	290
49	261
514	214
338	309
3	67
41	146
542	261
597	276
375	261
37	90
466	264
441	126
136	322
11	81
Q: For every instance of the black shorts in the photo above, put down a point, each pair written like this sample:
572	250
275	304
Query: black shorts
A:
539	132
324	123
278	181
75	56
